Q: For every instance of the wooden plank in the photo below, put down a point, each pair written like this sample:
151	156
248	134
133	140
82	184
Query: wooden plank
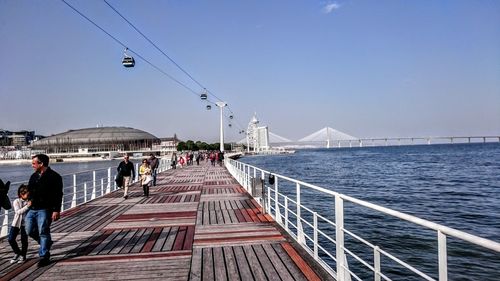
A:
161	239
188	242
231	265
243	266
196	264
148	247
208	265
281	268
255	266
304	267
267	266
170	239
219	264
123	241
131	243
179	240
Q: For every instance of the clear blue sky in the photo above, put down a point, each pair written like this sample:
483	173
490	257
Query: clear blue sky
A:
368	68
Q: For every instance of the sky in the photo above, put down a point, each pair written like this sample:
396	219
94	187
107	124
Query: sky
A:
366	68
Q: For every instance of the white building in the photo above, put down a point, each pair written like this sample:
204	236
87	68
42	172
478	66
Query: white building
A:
257	137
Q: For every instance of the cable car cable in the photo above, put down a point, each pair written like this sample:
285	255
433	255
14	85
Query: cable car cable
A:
132	51
157	48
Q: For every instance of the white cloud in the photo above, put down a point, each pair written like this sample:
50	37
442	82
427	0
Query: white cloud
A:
330	7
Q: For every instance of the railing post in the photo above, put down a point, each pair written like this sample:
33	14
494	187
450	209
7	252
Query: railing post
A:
315	226
300	232
442	256
93	187
102	186
84	192
339	236
108	186
5	224
376	263
73	201
276	202
268	199
286	213
263	181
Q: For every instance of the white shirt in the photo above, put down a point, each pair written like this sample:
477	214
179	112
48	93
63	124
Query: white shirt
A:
20	208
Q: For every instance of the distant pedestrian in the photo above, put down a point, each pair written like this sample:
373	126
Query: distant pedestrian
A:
221	158
126	169
45	189
212	158
21	207
145	176
153	164
173	161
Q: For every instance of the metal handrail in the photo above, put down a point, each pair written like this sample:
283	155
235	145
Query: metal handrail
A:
72	199
243	172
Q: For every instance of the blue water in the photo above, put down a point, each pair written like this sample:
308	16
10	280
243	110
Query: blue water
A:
455	185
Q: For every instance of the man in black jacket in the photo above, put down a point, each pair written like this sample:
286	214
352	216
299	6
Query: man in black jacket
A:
153	164
126	169
45	193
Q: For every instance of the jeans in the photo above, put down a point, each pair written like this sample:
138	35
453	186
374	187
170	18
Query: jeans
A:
37	225
13	233
154	176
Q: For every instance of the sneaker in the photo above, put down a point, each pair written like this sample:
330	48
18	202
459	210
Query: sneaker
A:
125	197
15	258
44	262
21	259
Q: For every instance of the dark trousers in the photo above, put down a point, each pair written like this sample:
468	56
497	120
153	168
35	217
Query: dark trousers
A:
145	188
155	172
13	233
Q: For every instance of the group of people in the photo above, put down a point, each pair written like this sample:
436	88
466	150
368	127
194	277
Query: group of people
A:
147	173
39	203
37	206
187	159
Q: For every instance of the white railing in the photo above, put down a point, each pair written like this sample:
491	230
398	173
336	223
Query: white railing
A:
84	186
323	237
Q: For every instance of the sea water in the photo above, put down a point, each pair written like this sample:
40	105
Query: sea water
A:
456	185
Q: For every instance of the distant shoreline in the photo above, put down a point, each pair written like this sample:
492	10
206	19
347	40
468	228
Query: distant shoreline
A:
52	160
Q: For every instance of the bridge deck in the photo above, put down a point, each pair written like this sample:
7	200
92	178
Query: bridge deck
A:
197	224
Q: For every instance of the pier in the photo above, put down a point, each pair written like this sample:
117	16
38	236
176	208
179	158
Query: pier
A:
197	224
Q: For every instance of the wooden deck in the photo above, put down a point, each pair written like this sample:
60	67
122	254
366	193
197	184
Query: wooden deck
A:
197	224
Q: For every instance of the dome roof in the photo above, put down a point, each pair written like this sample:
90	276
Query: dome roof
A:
96	135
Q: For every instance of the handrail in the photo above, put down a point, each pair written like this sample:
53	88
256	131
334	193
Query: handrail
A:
244	172
79	191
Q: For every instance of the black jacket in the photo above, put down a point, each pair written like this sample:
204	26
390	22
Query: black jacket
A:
126	169
46	191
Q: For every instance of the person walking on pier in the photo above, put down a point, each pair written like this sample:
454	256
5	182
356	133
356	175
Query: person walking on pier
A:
21	206
45	190
153	164
145	175
174	161
126	169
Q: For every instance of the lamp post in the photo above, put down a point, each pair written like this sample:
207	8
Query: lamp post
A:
221	105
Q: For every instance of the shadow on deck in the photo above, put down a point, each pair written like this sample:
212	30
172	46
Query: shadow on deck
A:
197	224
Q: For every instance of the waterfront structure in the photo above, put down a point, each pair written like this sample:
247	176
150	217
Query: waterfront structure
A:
95	140
17	138
167	146
257	137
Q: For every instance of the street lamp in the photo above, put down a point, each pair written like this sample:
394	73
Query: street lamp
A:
221	105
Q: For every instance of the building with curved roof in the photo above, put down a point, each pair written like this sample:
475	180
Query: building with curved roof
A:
97	139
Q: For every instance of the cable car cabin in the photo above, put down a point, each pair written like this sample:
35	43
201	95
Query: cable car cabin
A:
209	107
230	125
203	96
128	61
230	116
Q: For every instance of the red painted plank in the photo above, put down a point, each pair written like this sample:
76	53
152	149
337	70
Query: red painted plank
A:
179	240
148	246
301	264
188	242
